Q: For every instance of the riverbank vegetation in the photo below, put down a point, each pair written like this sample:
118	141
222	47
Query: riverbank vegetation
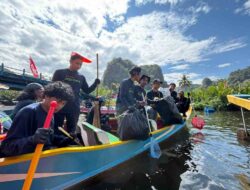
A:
215	94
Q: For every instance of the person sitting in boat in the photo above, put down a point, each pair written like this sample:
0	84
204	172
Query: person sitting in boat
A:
126	95
32	93
173	93
152	97
140	89
27	129
183	103
154	94
78	82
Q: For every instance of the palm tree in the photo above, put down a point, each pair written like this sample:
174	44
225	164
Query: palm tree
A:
184	83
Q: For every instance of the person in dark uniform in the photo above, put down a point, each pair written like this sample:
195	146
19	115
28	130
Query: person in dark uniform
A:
152	97
173	93
126	96
154	94
78	82
139	89
27	129
183	103
31	93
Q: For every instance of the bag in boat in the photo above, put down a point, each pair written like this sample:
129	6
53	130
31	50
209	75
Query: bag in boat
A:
133	125
5	121
168	111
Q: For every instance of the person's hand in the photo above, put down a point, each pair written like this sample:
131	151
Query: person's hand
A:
66	142
97	81
42	135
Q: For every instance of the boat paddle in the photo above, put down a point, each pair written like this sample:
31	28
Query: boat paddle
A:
155	150
68	135
96	119
38	150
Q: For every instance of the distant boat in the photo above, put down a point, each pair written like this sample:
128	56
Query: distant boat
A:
241	100
61	168
209	109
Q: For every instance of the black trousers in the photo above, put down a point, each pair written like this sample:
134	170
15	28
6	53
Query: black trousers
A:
71	121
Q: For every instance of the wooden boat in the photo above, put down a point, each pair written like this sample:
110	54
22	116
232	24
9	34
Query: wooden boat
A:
242	100
61	168
209	109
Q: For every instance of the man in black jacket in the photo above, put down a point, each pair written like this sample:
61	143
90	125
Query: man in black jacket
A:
154	94
152	97
140	89
27	129
173	93
183	103
126	94
78	82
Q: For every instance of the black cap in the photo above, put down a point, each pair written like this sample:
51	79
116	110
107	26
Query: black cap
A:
145	76
135	70
157	81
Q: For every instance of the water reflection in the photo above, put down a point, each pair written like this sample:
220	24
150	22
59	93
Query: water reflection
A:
209	159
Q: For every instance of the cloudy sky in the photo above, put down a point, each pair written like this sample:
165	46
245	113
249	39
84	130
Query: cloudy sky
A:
198	38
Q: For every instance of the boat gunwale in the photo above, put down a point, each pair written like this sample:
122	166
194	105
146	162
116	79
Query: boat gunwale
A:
237	100
57	151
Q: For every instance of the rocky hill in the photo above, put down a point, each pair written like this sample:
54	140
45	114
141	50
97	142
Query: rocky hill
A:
118	69
239	76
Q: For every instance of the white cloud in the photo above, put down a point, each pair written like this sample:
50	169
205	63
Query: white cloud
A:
195	78
176	76
180	67
201	7
50	30
144	2
228	46
224	65
245	9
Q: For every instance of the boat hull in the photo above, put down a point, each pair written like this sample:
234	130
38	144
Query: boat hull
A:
61	168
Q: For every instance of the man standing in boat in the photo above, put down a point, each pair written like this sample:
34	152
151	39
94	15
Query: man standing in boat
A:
78	82
126	94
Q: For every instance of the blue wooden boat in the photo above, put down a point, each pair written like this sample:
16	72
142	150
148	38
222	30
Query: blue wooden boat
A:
209	109
64	167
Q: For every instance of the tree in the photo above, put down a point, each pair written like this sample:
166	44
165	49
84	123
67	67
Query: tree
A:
239	76
184	83
206	82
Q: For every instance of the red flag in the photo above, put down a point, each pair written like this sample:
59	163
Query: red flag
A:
33	68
